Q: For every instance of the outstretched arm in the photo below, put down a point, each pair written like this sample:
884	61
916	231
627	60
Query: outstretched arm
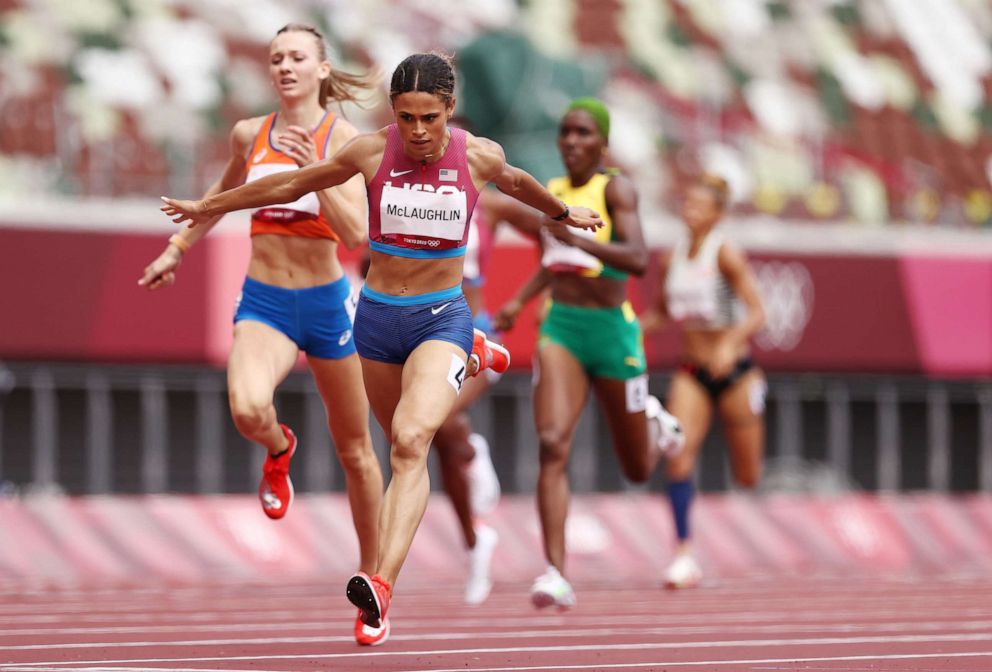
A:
282	187
489	163
161	271
502	208
344	206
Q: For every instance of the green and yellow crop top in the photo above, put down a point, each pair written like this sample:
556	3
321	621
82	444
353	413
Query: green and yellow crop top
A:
561	258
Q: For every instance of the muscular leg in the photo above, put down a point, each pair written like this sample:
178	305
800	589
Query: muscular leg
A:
260	359
559	396
424	400
628	429
689	402
742	413
455	453
340	384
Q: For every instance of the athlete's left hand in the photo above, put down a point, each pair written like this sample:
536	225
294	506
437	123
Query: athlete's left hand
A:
185	211
724	358
583	218
297	143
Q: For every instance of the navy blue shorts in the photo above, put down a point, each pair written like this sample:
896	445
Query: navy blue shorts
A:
318	319
387	330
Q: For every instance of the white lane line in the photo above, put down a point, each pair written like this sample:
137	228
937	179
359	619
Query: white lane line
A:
709	663
290	618
896	626
538	668
663	631
16	668
713	599
647	646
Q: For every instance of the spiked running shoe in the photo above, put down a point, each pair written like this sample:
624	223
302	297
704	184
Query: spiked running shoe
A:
371	596
366	635
489	355
276	489
551	588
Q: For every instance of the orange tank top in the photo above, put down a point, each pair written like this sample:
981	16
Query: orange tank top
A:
302	217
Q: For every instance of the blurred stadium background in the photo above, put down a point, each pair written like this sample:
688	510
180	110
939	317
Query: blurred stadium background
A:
857	137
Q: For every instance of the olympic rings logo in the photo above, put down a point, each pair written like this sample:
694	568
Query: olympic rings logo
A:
786	290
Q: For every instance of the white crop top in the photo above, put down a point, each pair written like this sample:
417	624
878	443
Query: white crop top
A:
697	294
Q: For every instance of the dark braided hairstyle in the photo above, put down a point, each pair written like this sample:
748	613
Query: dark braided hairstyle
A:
431	73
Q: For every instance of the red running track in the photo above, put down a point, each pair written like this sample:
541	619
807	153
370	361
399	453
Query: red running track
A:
742	623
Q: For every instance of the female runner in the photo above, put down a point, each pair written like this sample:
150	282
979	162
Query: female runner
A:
706	280
413	327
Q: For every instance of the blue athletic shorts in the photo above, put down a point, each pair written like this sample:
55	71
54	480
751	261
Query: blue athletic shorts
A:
388	328
318	319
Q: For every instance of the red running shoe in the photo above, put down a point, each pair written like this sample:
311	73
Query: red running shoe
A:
371	596
276	489
489	355
366	635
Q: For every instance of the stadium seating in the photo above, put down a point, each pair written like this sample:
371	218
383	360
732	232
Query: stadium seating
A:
870	111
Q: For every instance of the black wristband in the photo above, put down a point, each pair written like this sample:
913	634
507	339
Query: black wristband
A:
563	216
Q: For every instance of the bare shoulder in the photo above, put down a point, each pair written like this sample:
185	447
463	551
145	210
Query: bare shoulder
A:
620	187
485	157
363	151
244	131
731	259
374	141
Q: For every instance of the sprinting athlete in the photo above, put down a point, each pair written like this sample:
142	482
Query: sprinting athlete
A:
706	279
590	337
467	469
296	296
413	327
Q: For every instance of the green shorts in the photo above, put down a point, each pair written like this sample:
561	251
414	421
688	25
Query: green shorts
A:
607	341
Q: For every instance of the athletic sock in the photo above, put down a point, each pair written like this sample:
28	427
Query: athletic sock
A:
680	493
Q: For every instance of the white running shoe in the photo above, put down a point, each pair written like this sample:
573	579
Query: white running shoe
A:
480	580
684	572
483	484
551	588
664	429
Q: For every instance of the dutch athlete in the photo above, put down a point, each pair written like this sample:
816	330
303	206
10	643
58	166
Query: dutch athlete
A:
413	327
295	296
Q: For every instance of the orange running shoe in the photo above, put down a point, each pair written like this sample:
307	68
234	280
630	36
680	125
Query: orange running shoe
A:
371	596
366	635
276	489
489	355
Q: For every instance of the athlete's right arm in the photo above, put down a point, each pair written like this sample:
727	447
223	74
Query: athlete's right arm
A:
502	208
356	157
507	315
656	317
161	272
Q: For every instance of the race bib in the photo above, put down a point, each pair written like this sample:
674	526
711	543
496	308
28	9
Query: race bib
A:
415	216
559	256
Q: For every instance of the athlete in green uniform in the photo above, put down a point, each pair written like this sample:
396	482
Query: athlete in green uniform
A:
590	337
